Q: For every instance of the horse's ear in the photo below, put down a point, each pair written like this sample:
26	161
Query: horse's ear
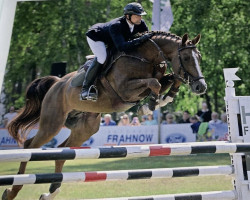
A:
196	40
184	39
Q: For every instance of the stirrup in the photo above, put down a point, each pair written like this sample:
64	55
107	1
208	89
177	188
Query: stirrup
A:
92	96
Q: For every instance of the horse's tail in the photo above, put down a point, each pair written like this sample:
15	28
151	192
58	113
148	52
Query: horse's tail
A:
29	116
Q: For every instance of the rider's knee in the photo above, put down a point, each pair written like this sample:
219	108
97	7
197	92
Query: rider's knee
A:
101	59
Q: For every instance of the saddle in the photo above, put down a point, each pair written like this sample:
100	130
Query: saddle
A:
78	78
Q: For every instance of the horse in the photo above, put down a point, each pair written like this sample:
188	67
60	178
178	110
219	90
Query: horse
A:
130	78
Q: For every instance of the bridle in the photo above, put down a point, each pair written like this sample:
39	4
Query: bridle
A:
188	78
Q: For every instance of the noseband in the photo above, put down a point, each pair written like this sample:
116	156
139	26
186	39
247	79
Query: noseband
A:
188	78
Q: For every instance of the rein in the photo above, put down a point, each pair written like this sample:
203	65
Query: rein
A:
123	54
144	60
188	78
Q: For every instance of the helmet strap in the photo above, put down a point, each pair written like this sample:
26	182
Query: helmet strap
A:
129	18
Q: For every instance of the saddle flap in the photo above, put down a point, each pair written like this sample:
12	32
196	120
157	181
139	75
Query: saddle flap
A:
78	78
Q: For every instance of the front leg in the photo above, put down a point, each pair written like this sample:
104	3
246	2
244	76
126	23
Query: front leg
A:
153	101
136	89
166	82
165	99
169	97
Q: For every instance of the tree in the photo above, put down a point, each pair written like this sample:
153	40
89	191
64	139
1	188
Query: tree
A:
53	31
224	26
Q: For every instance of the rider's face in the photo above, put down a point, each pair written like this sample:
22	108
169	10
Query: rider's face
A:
136	19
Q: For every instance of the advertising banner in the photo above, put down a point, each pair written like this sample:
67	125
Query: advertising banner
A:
245	117
177	133
116	135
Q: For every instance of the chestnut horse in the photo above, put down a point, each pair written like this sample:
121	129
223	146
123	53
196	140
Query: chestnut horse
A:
131	78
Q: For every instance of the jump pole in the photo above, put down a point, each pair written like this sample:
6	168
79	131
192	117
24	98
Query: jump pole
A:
122	152
115	175
218	195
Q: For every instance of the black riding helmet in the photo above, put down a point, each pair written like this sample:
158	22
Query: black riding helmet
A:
134	9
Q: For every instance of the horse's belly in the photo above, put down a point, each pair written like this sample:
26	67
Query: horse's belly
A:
101	107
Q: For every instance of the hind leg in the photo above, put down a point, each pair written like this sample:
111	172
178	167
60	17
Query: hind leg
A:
11	193
87	125
51	122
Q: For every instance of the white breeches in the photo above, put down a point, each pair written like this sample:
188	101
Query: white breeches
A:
99	49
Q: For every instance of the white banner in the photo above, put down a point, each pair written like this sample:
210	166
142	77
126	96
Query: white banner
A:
162	18
177	133
116	135
245	117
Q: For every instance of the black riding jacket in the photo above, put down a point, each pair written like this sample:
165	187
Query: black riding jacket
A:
116	33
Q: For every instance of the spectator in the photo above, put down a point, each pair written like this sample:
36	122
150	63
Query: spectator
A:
204	114
215	119
135	122
101	121
143	119
124	121
195	124
9	116
185	117
1	125
169	119
150	120
224	127
217	129
156	113
108	121
223	118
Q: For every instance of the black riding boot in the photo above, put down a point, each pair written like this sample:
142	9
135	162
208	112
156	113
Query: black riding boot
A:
89	92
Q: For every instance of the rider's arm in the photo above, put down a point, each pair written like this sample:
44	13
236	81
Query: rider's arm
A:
119	41
143	26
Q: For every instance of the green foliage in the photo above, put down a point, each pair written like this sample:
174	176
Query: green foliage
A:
54	31
224	27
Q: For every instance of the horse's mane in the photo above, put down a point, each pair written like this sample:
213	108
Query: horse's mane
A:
158	34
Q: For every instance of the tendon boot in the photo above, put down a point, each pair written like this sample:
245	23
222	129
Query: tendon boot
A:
89	91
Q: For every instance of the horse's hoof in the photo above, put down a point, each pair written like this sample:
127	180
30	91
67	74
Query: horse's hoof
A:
152	106
49	196
5	195
44	197
144	110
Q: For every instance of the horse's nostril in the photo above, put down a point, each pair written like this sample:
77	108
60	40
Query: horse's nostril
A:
197	88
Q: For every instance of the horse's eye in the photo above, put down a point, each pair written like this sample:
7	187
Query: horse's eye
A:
186	58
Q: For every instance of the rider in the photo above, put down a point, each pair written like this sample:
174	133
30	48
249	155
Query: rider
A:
116	32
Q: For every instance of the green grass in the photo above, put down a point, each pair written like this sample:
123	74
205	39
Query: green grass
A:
79	190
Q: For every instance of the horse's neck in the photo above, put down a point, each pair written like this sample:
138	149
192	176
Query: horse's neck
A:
168	45
151	50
